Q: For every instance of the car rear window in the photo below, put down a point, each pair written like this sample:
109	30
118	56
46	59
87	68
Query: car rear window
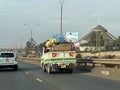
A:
7	55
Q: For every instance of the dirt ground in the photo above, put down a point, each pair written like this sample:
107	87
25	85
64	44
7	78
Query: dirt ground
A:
106	72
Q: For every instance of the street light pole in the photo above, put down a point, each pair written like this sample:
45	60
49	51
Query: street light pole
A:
31	28
61	3
21	38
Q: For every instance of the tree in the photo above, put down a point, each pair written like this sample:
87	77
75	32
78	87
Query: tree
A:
30	45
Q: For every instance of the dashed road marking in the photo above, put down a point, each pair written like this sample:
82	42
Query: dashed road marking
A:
39	80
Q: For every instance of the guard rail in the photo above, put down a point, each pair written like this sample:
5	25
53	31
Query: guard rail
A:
102	62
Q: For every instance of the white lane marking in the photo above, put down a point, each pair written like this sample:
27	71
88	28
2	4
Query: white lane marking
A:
39	80
36	78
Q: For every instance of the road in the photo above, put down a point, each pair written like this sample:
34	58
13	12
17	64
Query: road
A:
30	77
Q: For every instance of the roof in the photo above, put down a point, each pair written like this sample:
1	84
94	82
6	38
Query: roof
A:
99	28
100	31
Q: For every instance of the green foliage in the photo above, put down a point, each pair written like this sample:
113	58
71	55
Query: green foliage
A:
30	45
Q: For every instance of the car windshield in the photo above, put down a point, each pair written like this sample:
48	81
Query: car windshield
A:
7	55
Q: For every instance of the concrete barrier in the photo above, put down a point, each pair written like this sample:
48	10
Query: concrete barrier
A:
101	54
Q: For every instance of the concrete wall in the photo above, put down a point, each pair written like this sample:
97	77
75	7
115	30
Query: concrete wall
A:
102	54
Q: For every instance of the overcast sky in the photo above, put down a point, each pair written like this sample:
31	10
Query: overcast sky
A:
78	16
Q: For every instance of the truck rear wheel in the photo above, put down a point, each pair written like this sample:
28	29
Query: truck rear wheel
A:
69	70
43	68
49	71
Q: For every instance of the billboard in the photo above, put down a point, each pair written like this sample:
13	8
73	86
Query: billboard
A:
72	36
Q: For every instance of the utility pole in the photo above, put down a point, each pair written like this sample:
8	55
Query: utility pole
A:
61	3
31	28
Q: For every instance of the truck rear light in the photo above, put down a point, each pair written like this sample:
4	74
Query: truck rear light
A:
71	54
54	55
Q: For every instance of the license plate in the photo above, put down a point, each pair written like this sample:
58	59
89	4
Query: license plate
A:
7	60
63	66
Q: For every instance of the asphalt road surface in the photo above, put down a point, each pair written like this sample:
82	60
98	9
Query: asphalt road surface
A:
30	77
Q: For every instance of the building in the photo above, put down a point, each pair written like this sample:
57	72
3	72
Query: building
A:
97	39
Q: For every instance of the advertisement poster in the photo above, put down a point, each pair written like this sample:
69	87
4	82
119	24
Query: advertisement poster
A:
72	36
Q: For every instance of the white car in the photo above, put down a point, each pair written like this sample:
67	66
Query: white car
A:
8	60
